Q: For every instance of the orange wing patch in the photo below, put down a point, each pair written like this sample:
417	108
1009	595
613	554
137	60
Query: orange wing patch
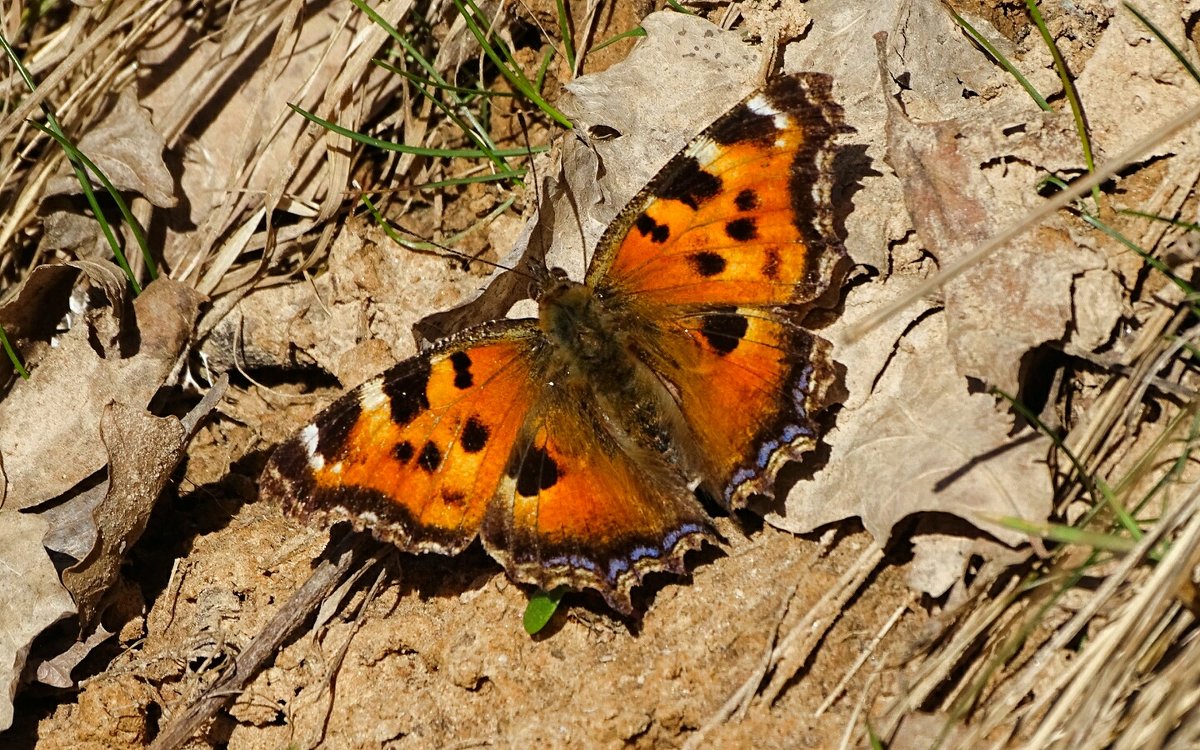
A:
739	217
577	510
749	386
415	454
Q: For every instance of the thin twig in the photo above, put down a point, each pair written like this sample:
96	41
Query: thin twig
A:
291	616
867	653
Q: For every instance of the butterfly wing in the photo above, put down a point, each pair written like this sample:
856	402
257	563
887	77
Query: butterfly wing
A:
582	508
416	454
749	383
472	436
742	215
717	259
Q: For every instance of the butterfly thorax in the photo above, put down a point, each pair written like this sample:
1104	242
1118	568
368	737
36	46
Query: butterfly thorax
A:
583	331
594	360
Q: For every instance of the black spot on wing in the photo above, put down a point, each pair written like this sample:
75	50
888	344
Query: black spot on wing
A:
724	330
687	183
658	233
747	200
474	435
405	388
535	470
403	452
707	263
463	379
741	125
742	230
430	458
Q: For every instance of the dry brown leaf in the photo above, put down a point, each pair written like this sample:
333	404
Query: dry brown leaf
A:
73	529
32	595
33	313
964	180
99	526
912	437
143	451
922	442
373	290
1130	60
108	358
56	672
128	149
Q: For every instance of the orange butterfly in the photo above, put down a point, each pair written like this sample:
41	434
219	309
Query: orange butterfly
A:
575	444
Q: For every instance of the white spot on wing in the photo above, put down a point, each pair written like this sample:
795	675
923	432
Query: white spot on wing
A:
705	152
371	395
761	105
308	438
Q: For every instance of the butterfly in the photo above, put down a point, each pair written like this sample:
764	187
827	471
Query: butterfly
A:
576	445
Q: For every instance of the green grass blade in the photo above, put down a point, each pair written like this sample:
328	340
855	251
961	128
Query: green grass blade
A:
1153	262
430	83
1100	492
467	122
511	72
1000	59
1055	532
12	355
449	153
1179	56
81	164
423	246
402	40
564	30
636	31
515	175
540	80
1064	75
1188	225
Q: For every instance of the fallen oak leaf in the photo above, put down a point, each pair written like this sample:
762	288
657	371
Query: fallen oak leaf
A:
143	452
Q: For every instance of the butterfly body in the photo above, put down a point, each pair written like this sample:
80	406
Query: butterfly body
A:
572	444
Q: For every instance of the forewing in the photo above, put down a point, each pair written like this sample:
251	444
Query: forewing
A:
742	216
416	454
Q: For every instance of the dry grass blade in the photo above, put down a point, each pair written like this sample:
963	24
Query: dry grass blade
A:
790	653
1097	683
1060	201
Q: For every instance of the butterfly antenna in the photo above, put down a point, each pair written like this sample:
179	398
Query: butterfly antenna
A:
537	188
433	247
541	268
